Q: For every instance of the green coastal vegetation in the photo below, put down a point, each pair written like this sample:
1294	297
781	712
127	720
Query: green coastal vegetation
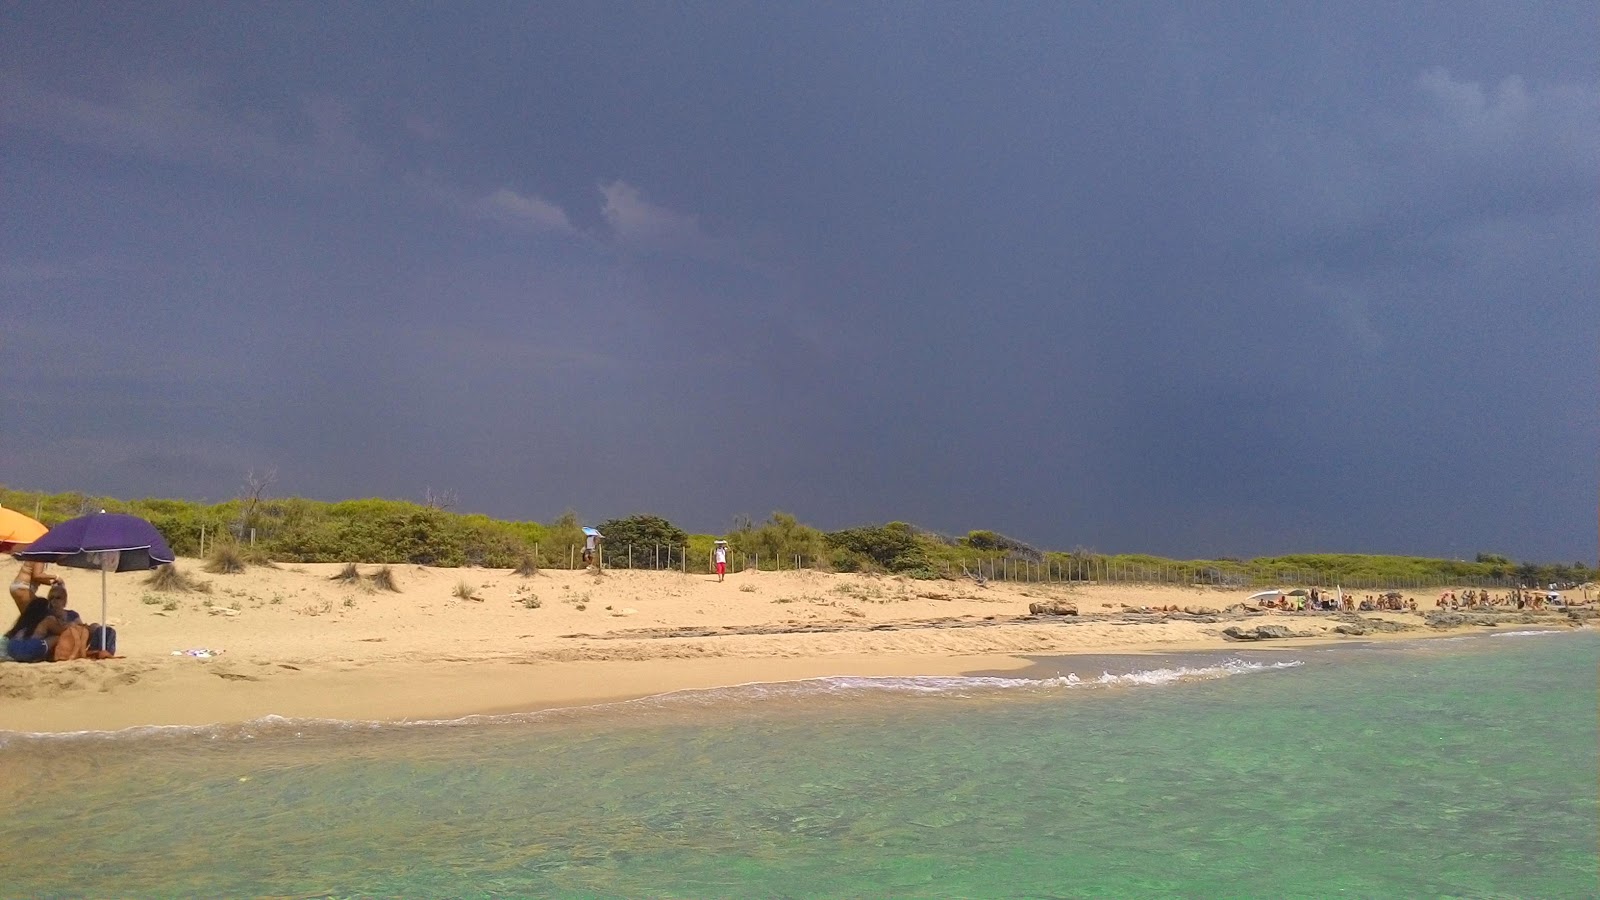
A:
292	529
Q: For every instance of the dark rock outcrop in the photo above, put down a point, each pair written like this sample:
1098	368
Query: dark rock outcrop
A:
1350	623
1452	619
1259	633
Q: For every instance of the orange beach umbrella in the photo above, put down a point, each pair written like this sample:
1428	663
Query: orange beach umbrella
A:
17	529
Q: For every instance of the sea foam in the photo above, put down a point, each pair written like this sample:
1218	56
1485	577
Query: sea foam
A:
831	686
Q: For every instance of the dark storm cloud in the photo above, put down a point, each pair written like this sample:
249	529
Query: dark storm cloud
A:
1240	280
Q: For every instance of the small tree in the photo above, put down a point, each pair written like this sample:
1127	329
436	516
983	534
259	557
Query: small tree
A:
781	537
566	531
439	499
255	490
633	541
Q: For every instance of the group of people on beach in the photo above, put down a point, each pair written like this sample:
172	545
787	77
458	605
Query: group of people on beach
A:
1316	600
44	629
1394	601
1481	599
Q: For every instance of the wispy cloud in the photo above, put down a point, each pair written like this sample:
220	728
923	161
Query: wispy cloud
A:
524	209
1516	131
515	209
637	222
631	223
1447	178
1458	150
640	225
180	122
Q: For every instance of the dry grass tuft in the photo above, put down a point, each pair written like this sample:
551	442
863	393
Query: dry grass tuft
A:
168	578
225	559
383	580
257	557
465	591
527	566
347	575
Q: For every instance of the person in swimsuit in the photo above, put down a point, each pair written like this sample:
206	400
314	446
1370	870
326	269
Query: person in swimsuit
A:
33	636
25	586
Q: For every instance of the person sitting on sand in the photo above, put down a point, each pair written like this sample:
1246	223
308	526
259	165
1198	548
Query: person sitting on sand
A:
32	638
25	586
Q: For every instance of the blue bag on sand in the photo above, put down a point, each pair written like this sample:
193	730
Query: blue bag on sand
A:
27	649
103	638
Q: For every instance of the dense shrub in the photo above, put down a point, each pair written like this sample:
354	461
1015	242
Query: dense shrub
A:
636	541
994	542
778	541
893	547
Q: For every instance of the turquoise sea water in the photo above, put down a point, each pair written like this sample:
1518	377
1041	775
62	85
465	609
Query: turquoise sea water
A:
1463	768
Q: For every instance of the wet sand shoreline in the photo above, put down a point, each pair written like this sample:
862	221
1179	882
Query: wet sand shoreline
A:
292	642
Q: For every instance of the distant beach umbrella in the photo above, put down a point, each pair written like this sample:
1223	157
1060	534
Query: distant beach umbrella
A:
591	532
110	542
17	529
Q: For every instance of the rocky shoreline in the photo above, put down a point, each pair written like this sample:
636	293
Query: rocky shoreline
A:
1057	613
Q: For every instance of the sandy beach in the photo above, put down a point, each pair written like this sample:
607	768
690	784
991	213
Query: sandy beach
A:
294	642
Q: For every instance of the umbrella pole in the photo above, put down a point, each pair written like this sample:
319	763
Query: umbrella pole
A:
103	625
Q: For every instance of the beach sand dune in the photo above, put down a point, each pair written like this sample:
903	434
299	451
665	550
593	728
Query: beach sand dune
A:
294	641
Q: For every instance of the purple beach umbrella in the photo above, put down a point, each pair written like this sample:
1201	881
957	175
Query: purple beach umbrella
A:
110	542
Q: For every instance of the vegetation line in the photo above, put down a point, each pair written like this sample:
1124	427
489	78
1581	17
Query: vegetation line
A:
253	530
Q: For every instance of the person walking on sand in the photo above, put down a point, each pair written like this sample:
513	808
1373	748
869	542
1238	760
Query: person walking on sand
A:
27	581
720	554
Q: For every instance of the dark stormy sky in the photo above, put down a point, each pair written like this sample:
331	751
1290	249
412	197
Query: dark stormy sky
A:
1192	279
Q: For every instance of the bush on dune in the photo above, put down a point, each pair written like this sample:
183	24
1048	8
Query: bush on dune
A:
396	531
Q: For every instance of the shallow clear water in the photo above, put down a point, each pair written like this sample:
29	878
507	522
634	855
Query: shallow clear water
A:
1442	768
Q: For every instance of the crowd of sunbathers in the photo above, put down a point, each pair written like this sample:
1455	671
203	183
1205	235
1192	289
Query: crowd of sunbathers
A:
45	630
1329	601
1394	601
1521	598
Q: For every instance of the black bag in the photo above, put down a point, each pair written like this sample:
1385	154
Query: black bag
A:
103	638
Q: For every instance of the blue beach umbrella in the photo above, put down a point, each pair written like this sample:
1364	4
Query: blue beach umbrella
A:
110	542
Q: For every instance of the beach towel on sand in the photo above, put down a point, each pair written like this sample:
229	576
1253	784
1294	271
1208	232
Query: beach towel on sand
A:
72	644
